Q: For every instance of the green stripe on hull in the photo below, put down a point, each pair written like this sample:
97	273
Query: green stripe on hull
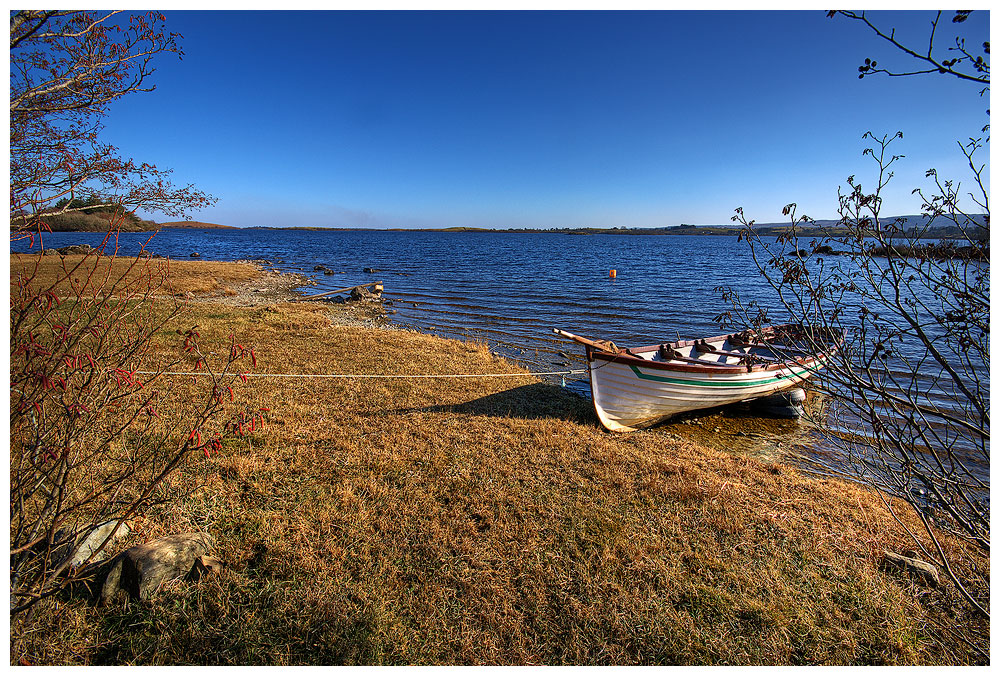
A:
714	383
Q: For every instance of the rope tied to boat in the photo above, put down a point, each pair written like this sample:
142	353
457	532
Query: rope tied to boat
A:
365	376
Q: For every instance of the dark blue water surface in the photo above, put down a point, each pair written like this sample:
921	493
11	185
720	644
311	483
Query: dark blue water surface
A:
510	289
506	289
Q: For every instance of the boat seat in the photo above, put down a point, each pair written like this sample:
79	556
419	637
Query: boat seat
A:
743	355
668	353
774	347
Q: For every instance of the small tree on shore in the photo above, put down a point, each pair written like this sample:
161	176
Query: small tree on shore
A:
94	431
907	397
66	68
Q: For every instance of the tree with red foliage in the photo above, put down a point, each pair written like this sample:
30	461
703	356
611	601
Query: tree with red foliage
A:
92	443
66	68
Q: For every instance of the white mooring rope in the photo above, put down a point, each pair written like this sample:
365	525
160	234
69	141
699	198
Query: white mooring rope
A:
367	376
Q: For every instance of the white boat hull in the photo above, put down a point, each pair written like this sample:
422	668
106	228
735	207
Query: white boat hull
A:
628	397
640	387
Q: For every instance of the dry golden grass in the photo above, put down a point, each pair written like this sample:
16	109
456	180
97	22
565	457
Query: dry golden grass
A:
179	277
491	521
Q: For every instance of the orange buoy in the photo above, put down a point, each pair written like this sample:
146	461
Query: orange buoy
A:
614	273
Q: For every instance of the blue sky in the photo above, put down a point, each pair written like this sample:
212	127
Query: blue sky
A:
536	119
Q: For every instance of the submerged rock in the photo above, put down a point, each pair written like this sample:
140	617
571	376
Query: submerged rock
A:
783	404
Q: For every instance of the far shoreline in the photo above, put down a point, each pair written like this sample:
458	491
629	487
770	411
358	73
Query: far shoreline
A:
819	228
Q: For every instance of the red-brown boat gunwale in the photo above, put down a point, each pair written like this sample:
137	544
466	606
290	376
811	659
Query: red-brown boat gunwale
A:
594	353
694	368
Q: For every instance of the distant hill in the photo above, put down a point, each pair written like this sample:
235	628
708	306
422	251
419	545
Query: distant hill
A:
915	225
95	220
193	224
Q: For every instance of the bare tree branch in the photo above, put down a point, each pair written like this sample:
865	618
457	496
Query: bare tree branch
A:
976	68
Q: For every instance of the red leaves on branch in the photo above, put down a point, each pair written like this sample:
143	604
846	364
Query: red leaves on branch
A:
77	409
190	339
213	444
73	371
53	453
32	349
246	422
126	378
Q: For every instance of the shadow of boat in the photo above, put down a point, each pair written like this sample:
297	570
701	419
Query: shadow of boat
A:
529	402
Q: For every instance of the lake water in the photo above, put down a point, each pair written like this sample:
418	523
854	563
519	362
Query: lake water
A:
507	289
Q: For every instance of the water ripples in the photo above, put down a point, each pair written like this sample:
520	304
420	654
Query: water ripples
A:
508	290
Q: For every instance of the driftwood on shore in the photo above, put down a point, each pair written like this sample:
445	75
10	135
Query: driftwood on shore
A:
376	287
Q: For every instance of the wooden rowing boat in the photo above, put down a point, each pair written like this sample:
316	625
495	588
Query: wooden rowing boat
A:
638	387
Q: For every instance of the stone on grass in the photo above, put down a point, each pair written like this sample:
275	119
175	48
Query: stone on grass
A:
205	565
922	570
141	570
84	546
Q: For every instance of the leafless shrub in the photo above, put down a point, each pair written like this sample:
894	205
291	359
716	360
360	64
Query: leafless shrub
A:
908	394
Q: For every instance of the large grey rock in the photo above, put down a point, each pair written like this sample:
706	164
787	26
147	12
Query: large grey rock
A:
84	547
75	249
141	570
922	570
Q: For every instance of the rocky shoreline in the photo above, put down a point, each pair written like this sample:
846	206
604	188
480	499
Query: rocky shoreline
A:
273	287
269	287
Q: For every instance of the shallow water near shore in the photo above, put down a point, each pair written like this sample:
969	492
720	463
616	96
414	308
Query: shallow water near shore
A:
509	290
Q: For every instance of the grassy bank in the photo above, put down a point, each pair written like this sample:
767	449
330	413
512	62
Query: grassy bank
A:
491	521
175	278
